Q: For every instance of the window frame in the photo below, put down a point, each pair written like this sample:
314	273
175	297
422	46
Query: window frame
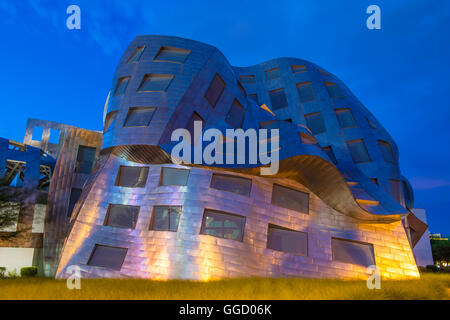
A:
108	215
292	189
219	212
232	176
151	226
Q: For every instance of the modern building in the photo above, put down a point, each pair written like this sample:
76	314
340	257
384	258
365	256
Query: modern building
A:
119	205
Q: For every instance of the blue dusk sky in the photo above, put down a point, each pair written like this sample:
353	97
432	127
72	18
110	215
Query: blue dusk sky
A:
400	73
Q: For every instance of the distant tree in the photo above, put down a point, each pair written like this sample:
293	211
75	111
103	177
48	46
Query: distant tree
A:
441	252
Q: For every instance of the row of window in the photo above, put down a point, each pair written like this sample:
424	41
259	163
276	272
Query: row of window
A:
165	54
274	73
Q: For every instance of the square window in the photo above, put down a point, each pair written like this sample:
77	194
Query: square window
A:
315	123
165	218
299	69
306	92
358	151
386	150
85	159
329	151
155	82
254	97
250	79
215	90
223	225
37	133
171	54
139	116
235	116
136	55
121	216
290	199
286	240
75	195
333	90
107	257
352	252
110	120
345	118
54	136
121	86
278	99
132	177
231	183
174	177
272	74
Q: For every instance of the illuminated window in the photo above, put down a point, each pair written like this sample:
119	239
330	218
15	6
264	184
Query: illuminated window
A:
155	82
287	240
278	99
306	92
223	225
165	218
299	69
215	90
352	252
136	55
122	84
290	199
358	151
333	90
315	123
174	177
345	118
272	74
386	150
85	159
132	177
235	116
170	54
107	257
139	116
121	216
230	183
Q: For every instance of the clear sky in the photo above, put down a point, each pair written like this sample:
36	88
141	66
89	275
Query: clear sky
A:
400	73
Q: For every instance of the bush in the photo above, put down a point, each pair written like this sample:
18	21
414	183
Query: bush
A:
28	271
2	272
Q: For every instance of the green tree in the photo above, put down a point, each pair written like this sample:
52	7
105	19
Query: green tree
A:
441	252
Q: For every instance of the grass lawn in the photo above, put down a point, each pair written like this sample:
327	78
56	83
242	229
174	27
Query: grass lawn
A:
430	286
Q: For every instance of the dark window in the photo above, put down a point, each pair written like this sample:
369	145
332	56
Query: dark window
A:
75	195
396	189
107	257
54	136
223	225
139	116
333	90
247	79
306	92
278	99
254	97
352	252
174	177
315	123
324	72
165	218
170	54
386	150
190	127
329	151
345	118
371	124
290	199
122	84
136	55
358	151
286	240
155	82
37	133
374	180
272	74
110	120
85	159
235	116
215	90
230	183
307	139
241	89
121	216
299	69
132	177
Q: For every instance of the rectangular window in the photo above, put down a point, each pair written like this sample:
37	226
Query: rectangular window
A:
396	190
315	123
290	199
132	177
333	90
37	133
121	86
306	92
75	194
165	218
136	55
272	74
121	216
247	79
358	151
190	127
170	54
230	183
223	225
110	120
174	177
352	252
329	151
286	240
386	150
235	116
107	257
85	159
299	69
215	90
54	136
155	82
254	97
278	99
139	116
345	118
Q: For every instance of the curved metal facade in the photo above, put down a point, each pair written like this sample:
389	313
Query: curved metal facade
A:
331	148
